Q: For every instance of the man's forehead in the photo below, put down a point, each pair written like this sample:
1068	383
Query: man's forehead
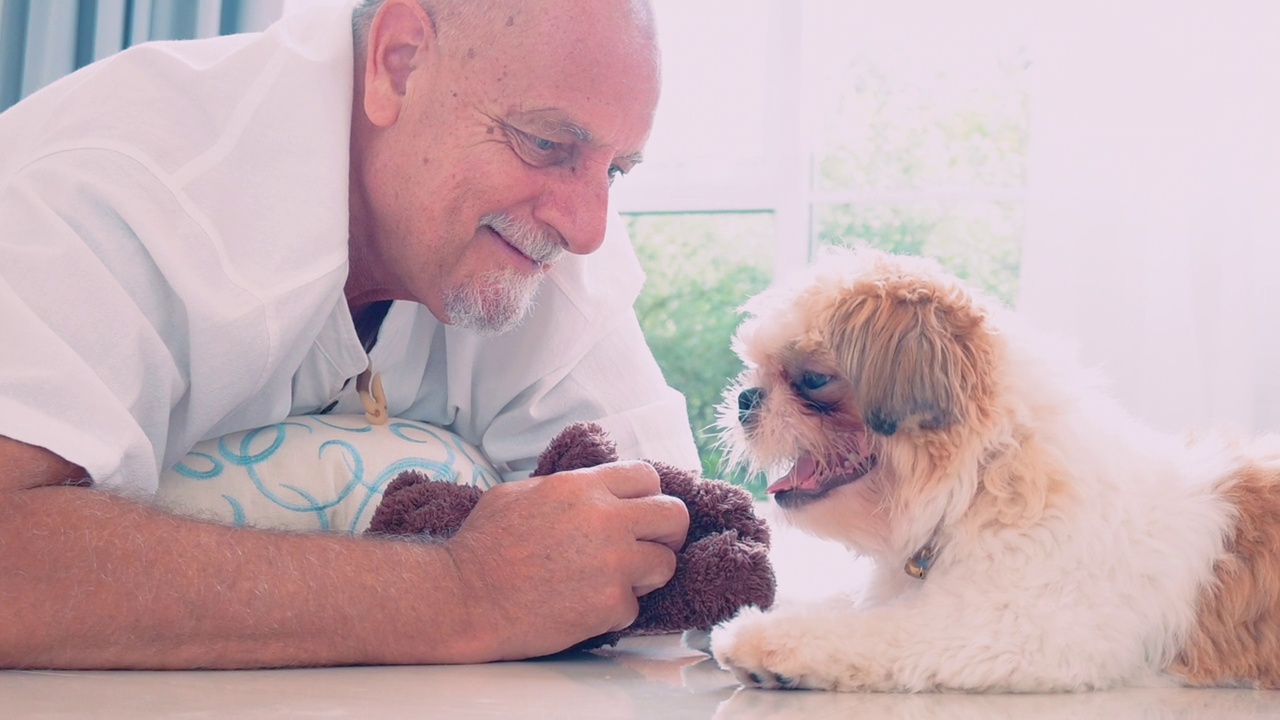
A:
588	76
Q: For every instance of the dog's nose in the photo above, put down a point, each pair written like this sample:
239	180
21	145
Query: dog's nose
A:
748	401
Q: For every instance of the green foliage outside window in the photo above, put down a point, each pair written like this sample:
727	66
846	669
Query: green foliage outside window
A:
700	268
938	132
980	242
930	165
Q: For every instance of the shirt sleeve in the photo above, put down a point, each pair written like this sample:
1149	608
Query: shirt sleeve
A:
87	374
118	320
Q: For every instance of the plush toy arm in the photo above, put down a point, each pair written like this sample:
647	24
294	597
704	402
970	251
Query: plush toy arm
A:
714	505
414	504
715	577
581	445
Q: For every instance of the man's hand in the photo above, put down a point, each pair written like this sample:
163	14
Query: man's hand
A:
554	560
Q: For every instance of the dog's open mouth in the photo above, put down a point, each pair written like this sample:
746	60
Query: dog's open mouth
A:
806	481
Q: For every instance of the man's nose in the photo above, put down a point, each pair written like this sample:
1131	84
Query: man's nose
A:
576	203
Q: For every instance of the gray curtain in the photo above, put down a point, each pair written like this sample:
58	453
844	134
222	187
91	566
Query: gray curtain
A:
42	40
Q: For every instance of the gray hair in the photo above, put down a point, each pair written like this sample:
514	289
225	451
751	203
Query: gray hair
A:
361	21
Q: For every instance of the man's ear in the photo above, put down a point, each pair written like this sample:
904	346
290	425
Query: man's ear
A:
399	37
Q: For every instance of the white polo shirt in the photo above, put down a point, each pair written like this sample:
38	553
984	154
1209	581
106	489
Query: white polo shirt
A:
173	249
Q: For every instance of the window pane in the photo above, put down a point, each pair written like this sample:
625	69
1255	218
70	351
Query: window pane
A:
918	100
890	132
700	268
979	241
714	142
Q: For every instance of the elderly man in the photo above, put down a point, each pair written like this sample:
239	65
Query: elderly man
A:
199	238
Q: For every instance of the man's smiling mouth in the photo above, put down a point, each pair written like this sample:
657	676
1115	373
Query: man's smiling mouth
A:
539	252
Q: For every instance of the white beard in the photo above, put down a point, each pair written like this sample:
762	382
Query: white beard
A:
493	302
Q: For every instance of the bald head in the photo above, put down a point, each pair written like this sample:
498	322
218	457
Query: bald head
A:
483	23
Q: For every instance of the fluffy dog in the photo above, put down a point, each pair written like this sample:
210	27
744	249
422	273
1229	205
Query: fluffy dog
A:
1028	534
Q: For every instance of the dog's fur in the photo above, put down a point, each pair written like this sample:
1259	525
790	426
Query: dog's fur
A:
1072	547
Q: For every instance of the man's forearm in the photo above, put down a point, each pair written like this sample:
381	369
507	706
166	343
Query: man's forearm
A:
89	580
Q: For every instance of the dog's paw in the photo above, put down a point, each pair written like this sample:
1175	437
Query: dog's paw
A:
765	650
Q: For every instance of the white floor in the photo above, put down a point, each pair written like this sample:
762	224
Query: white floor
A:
642	678
807	567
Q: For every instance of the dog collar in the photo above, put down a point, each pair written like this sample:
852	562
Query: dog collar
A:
920	563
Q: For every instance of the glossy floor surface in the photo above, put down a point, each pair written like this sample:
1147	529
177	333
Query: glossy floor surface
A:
641	678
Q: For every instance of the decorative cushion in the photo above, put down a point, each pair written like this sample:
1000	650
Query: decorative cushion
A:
313	473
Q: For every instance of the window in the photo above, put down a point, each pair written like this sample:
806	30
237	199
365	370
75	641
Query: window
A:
42	40
841	122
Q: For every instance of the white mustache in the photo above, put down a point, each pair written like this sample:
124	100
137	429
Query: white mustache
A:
541	246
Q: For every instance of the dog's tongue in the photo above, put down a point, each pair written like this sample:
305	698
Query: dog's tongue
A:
801	477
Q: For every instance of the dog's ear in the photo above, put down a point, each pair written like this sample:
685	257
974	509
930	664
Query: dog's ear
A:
914	352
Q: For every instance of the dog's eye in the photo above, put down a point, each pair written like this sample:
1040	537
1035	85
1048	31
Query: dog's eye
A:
814	381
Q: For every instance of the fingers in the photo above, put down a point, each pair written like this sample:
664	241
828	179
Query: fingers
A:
661	519
628	617
651	516
655	564
605	534
630	479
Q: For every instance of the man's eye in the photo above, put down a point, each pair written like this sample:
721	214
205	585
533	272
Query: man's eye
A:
539	150
615	172
542	144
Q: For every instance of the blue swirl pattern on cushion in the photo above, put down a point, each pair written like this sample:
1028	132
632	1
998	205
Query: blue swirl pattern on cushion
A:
318	472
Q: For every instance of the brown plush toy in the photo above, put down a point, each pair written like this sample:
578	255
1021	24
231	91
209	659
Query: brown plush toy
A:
723	565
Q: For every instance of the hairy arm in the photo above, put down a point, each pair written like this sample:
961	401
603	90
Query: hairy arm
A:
90	580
